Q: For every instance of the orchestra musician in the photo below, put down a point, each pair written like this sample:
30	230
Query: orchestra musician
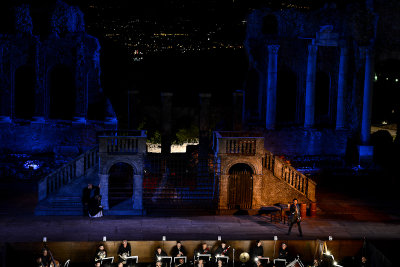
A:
257	251
200	263
295	217
159	253
181	263
46	259
124	251
204	249
101	253
178	250
283	252
222	249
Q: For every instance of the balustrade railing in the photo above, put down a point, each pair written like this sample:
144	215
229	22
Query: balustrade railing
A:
240	143
122	142
62	176
290	175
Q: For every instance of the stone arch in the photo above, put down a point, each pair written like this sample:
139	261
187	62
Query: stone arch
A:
24	92
241	166
105	169
253	167
322	97
61	92
270	25
286	96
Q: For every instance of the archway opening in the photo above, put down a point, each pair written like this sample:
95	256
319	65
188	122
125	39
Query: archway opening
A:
286	97
240	186
120	184
322	98
24	99
62	93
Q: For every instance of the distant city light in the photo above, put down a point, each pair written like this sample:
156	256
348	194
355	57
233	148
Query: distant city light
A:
31	165
396	80
376	77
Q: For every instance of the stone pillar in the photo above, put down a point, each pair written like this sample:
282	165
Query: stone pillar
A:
104	190
39	116
223	192
310	85
204	126
166	118
238	110
133	110
81	83
340	113
367	98
137	197
5	96
271	86
262	81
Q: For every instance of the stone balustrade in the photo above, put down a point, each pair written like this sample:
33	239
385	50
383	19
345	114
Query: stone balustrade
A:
240	143
290	175
122	142
62	176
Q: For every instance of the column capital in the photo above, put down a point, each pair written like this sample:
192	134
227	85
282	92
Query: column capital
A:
366	51
273	49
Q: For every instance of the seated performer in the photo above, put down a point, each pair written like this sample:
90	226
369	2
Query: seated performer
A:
45	258
200	263
203	250
257	251
124	251
221	263
159	253
222	249
101	253
283	252
178	250
181	263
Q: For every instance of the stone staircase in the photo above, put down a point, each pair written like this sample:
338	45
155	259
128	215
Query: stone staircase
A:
60	192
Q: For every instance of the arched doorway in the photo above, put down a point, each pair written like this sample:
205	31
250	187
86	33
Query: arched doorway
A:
240	186
120	183
62	93
286	97
24	92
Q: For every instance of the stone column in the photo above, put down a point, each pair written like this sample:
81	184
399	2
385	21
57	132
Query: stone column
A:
133	109
5	96
271	86
340	113
204	126
104	190
137	197
310	85
367	98
166	110
81	83
238	111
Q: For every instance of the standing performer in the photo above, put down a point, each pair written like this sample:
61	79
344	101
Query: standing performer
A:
295	217
178	250
89	193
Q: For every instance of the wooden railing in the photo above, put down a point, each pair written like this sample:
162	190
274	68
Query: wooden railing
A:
290	175
122	142
76	168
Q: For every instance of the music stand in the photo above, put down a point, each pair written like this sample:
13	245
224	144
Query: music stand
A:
280	262
264	260
223	258
108	260
165	259
132	260
178	258
204	257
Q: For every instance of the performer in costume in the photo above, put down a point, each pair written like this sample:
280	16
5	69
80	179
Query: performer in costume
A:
295	217
89	193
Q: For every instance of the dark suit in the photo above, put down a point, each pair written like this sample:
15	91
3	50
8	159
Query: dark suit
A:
295	217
